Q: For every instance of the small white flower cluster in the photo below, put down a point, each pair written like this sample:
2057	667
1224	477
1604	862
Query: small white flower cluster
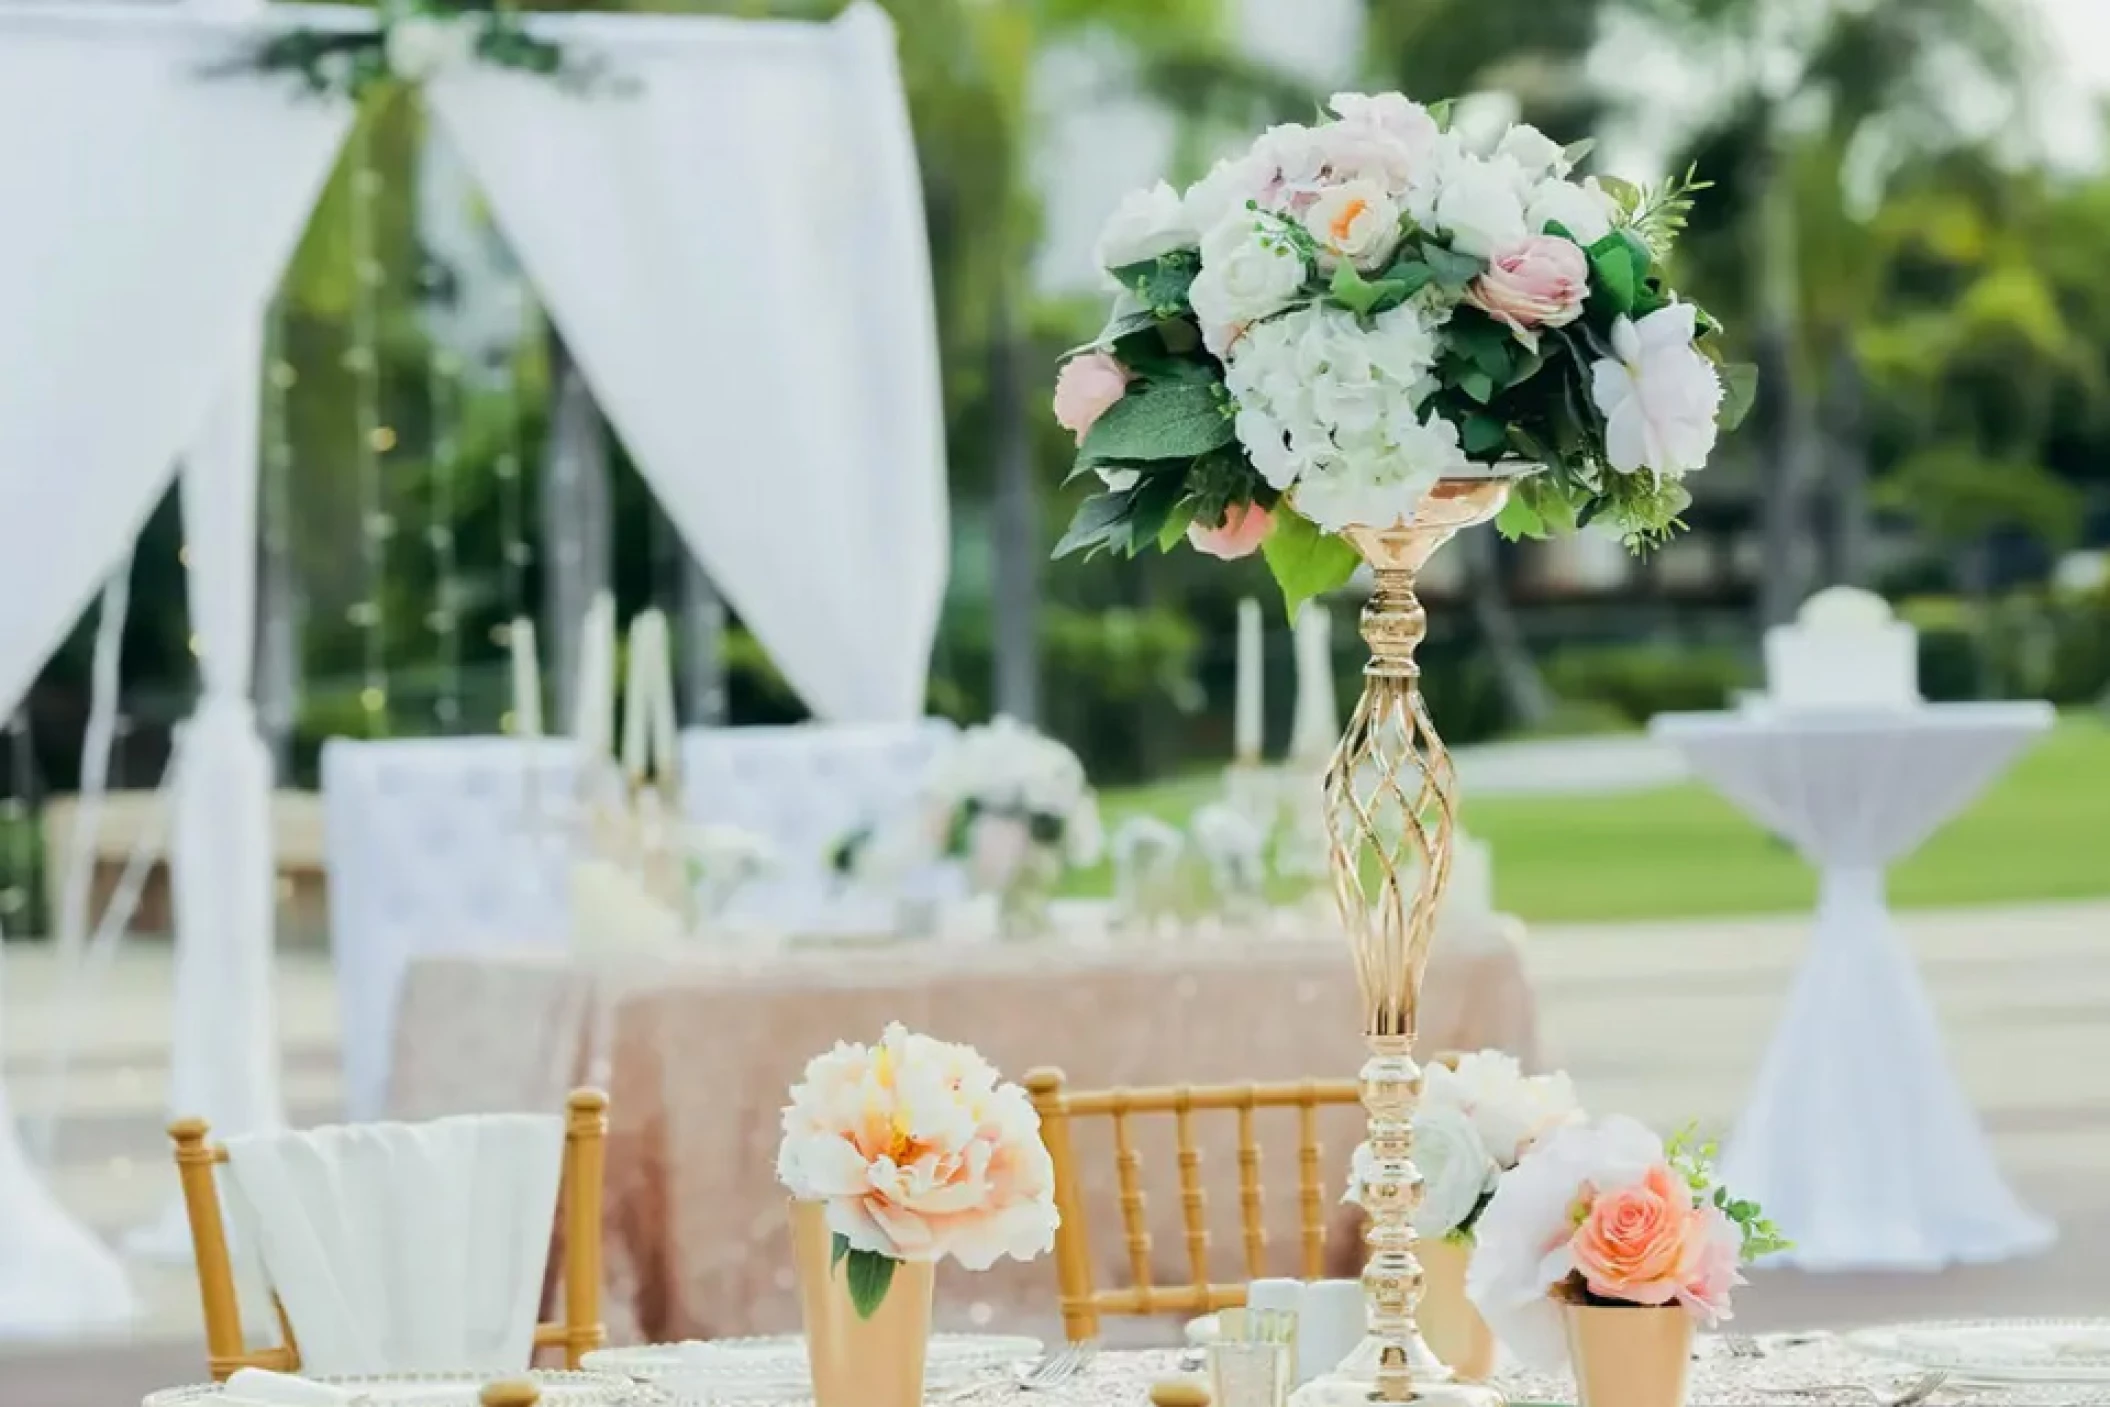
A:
1005	768
420	46
1478	1118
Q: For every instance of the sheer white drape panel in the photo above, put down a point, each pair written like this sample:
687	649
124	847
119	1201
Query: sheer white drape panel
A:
734	251
149	211
224	1065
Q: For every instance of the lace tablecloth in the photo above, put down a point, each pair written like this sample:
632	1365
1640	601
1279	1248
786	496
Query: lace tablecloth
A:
697	1055
1820	1373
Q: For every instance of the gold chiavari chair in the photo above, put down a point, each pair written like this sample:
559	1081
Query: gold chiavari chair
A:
580	1331
1082	1301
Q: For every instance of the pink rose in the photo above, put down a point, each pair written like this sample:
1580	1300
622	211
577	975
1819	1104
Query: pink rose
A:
1244	528
1713	1271
1640	1244
1539	281
1085	388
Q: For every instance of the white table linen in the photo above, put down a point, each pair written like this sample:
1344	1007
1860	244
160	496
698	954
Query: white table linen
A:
1858	1139
404	1248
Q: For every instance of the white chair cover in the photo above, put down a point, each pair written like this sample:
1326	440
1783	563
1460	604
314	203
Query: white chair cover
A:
436	845
404	1248
803	789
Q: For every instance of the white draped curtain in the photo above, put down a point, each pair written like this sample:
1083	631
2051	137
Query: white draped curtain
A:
734	251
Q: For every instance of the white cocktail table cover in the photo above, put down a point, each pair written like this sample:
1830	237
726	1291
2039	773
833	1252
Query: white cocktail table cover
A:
1858	1139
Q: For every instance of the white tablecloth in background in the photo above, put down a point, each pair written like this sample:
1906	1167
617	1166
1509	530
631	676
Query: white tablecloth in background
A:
1858	1139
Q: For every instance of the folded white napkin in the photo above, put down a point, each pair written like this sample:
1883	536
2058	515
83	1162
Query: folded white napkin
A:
265	1388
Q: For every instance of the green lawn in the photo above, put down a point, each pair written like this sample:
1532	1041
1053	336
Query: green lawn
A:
2041	832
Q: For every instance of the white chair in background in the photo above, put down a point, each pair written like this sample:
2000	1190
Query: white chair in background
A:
437	845
804	789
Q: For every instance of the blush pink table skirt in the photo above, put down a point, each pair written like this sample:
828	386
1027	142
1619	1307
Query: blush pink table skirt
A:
697	1055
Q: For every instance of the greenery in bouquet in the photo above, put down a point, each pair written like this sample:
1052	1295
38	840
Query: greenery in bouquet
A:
1320	329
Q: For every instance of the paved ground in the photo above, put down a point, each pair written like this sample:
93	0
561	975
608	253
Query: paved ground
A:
1663	1021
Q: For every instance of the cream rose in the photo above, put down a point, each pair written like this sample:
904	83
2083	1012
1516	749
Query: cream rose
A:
1540	281
1357	221
1245	276
1482	206
1584	211
1536	154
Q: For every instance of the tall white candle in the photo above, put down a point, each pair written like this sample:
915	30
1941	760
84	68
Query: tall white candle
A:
637	699
1245	720
527	679
1316	725
593	690
666	764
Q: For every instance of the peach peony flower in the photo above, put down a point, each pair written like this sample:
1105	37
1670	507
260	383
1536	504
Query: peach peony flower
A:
1714	1271
1539	281
1639	1244
919	1153
1085	388
1244	528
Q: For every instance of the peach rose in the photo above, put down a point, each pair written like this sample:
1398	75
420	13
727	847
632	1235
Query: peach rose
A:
1640	1244
1084	390
1539	281
1244	528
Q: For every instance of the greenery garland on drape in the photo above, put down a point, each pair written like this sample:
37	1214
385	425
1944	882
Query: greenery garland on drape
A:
411	41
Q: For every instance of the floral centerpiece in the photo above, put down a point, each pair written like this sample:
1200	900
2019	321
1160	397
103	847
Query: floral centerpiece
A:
1323	328
1009	804
1611	1217
1480	1114
413	41
898	1155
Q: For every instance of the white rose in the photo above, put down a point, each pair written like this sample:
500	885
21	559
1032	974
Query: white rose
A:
1482	206
1433	168
1224	192
1357	221
1456	1171
1296	154
1399	117
419	46
1536	154
1511	1110
1245	276
1658	394
1145	224
1585	211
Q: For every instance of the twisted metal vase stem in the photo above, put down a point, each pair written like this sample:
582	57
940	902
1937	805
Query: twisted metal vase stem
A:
1391	808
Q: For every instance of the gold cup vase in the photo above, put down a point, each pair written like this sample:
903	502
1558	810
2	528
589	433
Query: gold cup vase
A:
859	1362
1628	1355
1390	806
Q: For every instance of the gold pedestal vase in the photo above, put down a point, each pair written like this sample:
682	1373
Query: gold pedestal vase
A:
1628	1355
1391	803
859	1362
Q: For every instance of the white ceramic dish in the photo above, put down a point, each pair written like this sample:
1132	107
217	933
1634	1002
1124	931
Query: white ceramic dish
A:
1996	1350
432	1390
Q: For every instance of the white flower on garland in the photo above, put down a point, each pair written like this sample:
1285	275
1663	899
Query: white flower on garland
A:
1482	205
1536	154
418	46
1146	223
1357	221
1658	394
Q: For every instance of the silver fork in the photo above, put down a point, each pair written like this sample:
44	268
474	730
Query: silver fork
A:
1060	1366
1911	1395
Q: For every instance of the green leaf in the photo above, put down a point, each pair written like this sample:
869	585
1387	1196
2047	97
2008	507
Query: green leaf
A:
1625	193
867	1275
1527	365
1518	519
1483	433
1175	421
838	1247
1477	384
1351	290
1176	523
1306	562
1441	112
1412	275
1454	271
1615	274
1161	284
1575	152
1099	518
1739	391
1150	506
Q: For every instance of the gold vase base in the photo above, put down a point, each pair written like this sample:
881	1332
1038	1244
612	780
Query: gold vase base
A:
1433	1382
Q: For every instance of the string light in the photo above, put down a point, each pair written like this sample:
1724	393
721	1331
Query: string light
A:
443	380
512	529
374	438
287	610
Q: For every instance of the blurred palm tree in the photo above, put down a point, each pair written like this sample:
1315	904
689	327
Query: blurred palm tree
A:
1815	105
